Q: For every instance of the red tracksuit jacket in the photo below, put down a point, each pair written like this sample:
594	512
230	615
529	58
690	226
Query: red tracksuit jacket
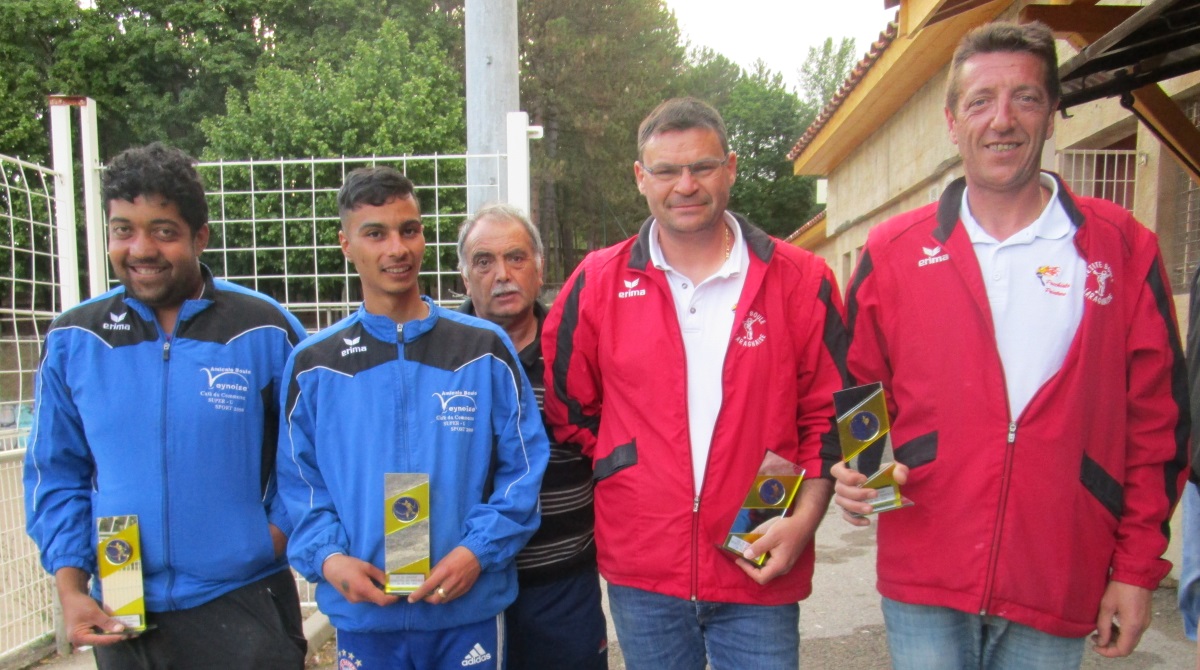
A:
1027	519
615	385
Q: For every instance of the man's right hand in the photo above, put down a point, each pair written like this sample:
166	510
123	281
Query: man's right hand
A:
357	580
849	494
82	615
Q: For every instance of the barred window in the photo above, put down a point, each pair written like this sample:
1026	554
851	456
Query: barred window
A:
1187	218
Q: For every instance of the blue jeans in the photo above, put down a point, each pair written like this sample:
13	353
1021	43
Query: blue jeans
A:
939	638
666	633
1189	577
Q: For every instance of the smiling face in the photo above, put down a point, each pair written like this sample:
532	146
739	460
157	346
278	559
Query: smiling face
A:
686	204
1001	119
386	243
153	251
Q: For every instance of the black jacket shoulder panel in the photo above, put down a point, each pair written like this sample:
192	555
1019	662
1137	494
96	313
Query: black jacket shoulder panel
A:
452	344
111	320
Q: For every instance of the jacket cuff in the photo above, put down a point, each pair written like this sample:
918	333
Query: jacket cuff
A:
321	555
480	549
85	563
277	515
1146	574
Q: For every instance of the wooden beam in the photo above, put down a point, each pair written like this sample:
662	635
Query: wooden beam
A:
1089	23
914	14
1172	126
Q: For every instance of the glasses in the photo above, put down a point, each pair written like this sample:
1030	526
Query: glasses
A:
669	172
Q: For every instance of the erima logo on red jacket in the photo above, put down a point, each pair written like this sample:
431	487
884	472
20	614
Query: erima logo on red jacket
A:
631	289
933	255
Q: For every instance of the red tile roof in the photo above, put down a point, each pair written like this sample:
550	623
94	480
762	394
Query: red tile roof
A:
809	224
886	37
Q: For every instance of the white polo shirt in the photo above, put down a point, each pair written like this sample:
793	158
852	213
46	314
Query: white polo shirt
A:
705	312
1035	282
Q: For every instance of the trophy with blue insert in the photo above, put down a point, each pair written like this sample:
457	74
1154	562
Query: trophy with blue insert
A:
119	565
862	419
405	531
770	497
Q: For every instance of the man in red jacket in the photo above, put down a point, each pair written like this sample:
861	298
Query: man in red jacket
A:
1027	340
676	360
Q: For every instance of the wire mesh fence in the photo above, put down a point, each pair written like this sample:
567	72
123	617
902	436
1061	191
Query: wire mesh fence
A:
274	226
29	299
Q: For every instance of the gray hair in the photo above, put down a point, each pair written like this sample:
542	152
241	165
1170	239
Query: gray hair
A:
504	212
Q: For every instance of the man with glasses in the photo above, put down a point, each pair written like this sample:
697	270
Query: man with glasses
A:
676	360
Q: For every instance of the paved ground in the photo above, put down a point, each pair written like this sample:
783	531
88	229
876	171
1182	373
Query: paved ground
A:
841	626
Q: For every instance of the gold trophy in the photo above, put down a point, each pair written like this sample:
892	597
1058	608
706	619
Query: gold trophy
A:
119	563
770	497
405	531
862	419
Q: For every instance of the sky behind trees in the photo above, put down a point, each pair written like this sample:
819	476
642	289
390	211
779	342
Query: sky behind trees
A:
779	32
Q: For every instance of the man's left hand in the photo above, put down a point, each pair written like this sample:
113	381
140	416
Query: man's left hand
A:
787	538
453	576
1130	606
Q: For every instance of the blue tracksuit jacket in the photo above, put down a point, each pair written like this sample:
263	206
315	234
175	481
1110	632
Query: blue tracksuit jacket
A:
446	396
180	432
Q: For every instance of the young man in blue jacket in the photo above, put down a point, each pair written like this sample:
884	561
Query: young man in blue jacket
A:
405	386
160	399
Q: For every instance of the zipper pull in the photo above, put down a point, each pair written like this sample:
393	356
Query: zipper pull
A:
167	350
1012	432
696	504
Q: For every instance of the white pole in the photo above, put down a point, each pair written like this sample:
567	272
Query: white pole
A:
519	133
93	208
64	201
492	91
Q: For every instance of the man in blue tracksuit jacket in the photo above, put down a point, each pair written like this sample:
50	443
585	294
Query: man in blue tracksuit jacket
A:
160	399
404	386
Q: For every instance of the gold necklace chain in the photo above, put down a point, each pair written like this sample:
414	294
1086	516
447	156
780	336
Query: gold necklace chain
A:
728	242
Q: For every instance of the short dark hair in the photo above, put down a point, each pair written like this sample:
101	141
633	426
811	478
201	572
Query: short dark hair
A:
157	169
374	186
682	114
1033	38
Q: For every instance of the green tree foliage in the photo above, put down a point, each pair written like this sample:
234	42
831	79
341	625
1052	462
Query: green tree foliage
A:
710	77
388	98
29	33
764	118
824	70
590	71
157	67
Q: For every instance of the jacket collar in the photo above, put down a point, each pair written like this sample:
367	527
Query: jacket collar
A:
532	351
191	307
760	244
385	329
951	202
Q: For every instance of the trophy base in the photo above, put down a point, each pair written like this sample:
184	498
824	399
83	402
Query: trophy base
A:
737	543
403	584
